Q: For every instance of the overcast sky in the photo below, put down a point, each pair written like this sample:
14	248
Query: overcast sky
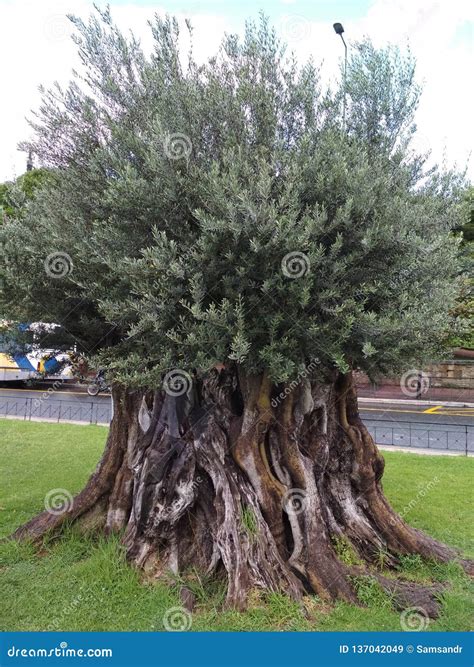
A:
35	48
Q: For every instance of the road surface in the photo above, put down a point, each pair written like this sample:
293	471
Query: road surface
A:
417	426
423	427
58	405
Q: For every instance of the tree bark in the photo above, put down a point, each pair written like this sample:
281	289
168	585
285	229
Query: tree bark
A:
242	479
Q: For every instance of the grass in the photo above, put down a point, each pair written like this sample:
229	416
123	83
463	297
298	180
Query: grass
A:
37	457
84	583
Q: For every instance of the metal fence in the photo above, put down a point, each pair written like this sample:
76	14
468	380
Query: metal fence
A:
56	410
439	436
448	437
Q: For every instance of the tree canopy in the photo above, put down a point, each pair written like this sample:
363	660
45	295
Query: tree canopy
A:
219	220
14	194
200	214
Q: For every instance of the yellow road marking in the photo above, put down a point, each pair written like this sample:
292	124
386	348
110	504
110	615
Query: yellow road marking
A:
432	410
418	412
415	412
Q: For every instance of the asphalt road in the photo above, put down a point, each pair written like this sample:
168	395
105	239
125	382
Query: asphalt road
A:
417	426
437	427
424	414
56	405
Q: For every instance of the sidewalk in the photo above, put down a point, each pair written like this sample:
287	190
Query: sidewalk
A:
423	451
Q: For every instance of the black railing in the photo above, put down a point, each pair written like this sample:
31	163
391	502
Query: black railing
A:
415	435
56	410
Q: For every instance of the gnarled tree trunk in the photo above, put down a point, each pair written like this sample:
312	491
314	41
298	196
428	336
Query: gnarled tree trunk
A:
244	478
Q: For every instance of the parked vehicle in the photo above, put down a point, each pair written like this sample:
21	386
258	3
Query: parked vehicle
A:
99	384
36	365
23	357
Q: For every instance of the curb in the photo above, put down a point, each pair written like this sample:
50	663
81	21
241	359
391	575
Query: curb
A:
423	451
407	401
45	420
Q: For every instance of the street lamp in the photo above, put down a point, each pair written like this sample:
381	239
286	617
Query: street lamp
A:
339	30
29	163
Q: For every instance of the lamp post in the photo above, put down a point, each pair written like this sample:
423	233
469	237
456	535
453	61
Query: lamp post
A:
29	163
339	30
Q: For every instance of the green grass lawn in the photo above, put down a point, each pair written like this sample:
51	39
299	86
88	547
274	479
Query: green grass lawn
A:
83	583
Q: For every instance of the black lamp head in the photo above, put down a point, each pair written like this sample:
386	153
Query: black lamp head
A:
338	28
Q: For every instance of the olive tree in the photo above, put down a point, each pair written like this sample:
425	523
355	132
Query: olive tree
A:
232	254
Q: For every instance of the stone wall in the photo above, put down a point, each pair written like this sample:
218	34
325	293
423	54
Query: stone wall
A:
454	374
457	373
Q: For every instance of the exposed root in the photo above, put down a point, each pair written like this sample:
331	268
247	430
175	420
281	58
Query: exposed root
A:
101	482
407	594
385	524
207	480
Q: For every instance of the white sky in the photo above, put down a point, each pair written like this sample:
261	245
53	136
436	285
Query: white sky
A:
35	48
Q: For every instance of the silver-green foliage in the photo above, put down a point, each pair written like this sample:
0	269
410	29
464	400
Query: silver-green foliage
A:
219	211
